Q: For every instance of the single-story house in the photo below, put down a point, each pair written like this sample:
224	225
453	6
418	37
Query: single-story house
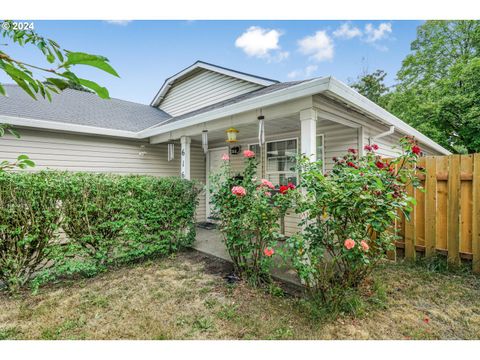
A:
320	117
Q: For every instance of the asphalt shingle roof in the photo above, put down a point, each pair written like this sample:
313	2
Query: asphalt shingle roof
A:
81	108
236	99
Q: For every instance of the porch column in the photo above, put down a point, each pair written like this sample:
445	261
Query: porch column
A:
308	133
185	157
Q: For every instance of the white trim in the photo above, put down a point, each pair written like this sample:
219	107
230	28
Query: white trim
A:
304	89
352	97
266	158
201	65
65	127
361	141
323	151
207	185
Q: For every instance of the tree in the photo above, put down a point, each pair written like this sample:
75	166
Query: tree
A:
59	74
372	85
438	85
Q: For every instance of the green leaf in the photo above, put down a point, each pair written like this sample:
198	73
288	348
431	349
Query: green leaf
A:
100	62
59	83
24	86
2	90
99	90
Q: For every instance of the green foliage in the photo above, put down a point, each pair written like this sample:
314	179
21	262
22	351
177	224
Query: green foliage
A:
30	218
438	90
347	216
108	220
60	62
372	85
248	220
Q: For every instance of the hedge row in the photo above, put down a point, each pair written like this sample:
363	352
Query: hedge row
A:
56	224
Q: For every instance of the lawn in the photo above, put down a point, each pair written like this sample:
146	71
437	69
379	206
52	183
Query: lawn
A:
186	297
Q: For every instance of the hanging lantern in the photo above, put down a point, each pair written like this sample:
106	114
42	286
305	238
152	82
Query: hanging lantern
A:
171	151
261	130
232	135
205	141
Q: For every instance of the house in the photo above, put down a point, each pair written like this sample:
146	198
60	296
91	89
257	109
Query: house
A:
321	118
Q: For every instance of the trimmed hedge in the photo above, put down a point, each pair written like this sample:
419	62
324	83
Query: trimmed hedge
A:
106	219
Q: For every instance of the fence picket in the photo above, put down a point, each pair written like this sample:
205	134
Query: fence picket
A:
476	214
430	206
453	210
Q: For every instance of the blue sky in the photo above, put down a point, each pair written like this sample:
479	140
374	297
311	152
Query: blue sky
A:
144	53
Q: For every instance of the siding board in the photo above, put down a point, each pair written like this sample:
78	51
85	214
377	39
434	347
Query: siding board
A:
201	89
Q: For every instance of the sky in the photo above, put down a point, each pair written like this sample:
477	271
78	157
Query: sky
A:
145	53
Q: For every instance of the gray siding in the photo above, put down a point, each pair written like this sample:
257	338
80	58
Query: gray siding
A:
51	150
201	89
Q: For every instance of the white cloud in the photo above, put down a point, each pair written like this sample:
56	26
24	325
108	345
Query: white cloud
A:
373	34
310	69
346	31
262	43
307	72
119	22
318	46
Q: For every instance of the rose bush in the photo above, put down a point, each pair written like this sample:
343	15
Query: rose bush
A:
348	215
248	211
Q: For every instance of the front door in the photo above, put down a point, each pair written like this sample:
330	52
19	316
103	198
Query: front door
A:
214	161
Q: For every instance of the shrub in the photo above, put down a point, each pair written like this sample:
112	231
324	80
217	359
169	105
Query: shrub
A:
248	210
107	220
348	215
30	215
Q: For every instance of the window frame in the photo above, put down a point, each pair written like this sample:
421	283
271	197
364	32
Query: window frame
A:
265	157
323	150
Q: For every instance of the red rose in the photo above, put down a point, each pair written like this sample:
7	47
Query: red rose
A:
380	164
353	151
367	147
351	164
291	186
283	189
416	150
375	147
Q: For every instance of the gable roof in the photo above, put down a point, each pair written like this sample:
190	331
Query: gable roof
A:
81	108
215	68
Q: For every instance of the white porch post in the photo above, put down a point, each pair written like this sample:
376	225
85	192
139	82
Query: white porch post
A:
308	133
185	157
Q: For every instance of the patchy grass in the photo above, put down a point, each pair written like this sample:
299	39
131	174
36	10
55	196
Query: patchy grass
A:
186	298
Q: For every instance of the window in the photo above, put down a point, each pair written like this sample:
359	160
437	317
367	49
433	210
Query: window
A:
281	161
321	150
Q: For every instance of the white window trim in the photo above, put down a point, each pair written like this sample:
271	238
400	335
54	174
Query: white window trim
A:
323	151
265	157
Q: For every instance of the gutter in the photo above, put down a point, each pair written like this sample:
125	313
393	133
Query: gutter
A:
383	134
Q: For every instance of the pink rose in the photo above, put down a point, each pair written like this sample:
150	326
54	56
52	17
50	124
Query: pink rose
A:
364	245
268	252
349	244
267	183
225	157
248	154
239	191
268	193
375	147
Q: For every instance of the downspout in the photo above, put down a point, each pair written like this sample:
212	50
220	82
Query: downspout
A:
386	133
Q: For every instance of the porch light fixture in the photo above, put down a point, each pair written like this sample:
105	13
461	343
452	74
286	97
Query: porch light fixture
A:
205	141
232	135
142	151
171	151
261	130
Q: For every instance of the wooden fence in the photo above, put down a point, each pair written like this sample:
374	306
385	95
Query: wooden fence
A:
446	218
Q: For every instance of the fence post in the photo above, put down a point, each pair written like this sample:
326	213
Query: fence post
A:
476	214
453	210
430	205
